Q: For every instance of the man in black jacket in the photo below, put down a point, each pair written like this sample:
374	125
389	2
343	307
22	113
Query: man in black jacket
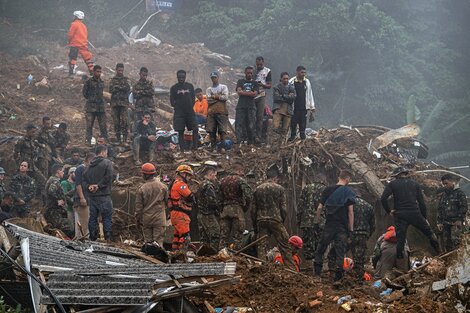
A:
98	178
182	100
408	209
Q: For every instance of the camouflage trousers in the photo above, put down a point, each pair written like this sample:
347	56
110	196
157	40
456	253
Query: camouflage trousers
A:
311	238
452	235
209	230
358	248
57	217
90	121
232	225
120	121
278	232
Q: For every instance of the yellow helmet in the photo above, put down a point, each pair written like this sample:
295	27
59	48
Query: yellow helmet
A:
185	169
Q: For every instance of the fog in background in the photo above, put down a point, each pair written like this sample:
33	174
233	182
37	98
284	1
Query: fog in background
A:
370	62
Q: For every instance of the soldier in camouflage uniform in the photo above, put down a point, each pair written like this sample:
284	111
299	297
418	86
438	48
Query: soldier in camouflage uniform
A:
93	93
56	212
119	88
62	140
306	209
47	149
451	212
364	227
236	196
143	92
268	214
24	188
208	203
27	149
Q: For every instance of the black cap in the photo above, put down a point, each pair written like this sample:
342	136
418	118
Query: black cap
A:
214	74
399	170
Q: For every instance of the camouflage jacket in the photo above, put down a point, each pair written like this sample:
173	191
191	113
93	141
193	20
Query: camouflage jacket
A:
3	190
27	149
46	144
452	207
23	186
208	198
143	94
93	93
62	139
54	192
364	217
235	190
119	88
269	203
308	204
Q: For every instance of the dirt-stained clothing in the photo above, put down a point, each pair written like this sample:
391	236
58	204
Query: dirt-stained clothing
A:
94	108
236	197
78	42
120	88
56	215
306	210
150	205
143	93
27	149
451	214
269	210
24	188
209	207
46	150
61	140
180	203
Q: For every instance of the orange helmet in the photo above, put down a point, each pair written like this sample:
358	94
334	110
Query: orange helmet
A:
148	168
348	264
185	169
367	276
296	241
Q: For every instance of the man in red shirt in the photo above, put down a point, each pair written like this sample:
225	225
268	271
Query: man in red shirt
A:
78	42
180	203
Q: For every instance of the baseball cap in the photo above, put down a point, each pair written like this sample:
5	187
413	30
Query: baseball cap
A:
214	74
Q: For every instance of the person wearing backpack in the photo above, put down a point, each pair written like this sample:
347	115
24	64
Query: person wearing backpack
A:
338	201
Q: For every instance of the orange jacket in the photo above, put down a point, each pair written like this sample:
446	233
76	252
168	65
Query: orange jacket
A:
200	107
179	193
390	235
278	260
78	34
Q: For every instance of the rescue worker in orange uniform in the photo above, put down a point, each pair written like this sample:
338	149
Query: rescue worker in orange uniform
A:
78	42
296	244
180	204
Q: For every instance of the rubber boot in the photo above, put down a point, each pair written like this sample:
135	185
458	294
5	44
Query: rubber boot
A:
152	155
71	68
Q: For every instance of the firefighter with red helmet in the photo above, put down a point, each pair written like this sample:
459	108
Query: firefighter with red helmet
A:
150	205
296	243
180	203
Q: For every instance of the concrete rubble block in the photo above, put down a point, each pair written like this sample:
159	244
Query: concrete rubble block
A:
459	270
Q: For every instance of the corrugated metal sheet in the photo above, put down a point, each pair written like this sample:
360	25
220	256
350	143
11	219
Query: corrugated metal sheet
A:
86	273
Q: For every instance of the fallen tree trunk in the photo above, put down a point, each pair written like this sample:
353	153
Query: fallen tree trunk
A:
374	185
164	114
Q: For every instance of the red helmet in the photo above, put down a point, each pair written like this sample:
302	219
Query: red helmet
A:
296	241
148	168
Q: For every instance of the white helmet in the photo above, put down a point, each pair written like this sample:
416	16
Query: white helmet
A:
79	14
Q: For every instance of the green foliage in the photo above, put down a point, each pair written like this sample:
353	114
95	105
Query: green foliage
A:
7	309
